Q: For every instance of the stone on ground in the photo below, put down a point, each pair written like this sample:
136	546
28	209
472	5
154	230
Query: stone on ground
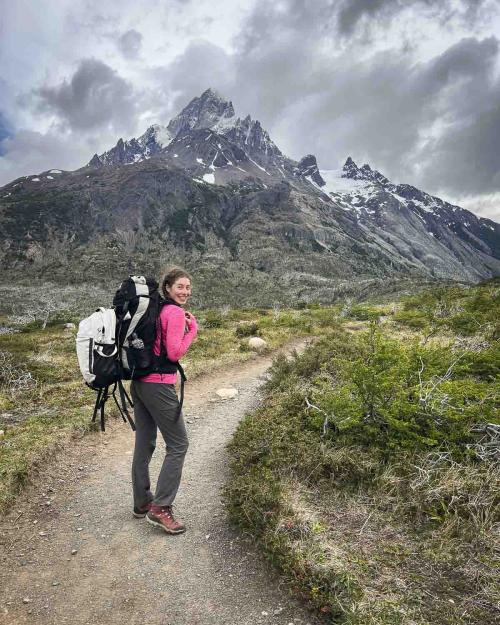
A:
227	393
256	343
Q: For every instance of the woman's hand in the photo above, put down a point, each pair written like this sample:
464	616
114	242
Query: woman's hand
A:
189	319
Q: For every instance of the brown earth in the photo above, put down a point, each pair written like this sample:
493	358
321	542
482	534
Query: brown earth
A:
71	551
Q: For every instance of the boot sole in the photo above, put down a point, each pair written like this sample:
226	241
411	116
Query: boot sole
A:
139	515
165	529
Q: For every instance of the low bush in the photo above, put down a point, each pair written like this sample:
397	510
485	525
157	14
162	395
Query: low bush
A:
213	319
246	329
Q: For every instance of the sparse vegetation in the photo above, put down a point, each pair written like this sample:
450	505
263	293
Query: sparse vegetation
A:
371	474
43	401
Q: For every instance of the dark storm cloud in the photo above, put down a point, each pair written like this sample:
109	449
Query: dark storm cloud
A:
464	157
406	118
202	65
130	44
95	96
201	62
467	158
419	122
352	12
384	111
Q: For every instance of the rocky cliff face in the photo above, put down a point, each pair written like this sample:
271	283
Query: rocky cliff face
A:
213	191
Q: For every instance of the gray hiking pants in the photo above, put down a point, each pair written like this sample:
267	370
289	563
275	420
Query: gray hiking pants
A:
155	408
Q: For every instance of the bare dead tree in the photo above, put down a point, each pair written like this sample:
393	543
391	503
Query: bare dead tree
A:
326	422
429	389
41	310
488	446
13	378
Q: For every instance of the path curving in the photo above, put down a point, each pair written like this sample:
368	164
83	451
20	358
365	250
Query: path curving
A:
72	553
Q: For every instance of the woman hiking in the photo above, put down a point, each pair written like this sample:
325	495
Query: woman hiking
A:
156	407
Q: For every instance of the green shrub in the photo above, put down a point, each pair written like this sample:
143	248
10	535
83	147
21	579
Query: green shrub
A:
213	319
247	328
363	313
462	310
411	318
399	429
325	317
398	395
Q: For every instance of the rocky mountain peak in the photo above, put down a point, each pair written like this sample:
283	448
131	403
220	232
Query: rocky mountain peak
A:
350	169
308	168
204	111
365	172
95	161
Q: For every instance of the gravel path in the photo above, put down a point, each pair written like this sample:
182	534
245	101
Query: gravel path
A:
71	552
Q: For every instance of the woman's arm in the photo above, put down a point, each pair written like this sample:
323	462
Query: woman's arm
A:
175	339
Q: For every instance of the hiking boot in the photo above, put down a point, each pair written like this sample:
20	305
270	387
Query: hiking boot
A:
140	513
162	516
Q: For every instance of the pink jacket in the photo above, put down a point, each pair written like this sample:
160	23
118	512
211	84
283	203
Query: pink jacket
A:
176	340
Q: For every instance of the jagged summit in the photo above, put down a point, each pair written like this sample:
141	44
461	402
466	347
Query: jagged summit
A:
365	172
204	111
209	111
211	145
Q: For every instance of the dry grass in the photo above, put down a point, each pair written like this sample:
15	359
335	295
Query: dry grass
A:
395	572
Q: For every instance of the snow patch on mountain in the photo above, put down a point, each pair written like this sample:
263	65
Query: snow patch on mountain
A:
336	183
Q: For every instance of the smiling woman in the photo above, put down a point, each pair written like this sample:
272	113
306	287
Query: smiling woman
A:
156	407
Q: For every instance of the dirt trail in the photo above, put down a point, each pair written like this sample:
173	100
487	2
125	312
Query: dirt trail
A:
124	570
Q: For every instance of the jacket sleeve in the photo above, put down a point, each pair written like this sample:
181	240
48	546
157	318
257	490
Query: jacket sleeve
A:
175	339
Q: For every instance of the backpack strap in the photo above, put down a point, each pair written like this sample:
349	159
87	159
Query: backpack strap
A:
142	292
177	364
97	404
183	379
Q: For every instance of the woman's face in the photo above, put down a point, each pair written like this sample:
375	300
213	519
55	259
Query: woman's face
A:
180	290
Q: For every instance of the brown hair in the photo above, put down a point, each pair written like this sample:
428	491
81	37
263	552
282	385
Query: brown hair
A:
172	274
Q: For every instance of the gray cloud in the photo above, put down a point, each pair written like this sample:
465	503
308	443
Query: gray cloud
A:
28	152
352	13
382	112
130	44
382	109
423	123
95	96
202	65
466	159
320	77
5	129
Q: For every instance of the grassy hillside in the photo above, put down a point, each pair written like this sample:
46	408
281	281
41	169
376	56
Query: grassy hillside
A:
371	476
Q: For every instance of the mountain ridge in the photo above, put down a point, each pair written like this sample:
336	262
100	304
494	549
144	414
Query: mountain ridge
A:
219	192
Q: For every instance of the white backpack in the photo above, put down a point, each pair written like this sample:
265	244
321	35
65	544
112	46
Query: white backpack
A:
97	350
97	353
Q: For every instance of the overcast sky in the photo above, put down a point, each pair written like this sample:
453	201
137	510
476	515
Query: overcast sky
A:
411	87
